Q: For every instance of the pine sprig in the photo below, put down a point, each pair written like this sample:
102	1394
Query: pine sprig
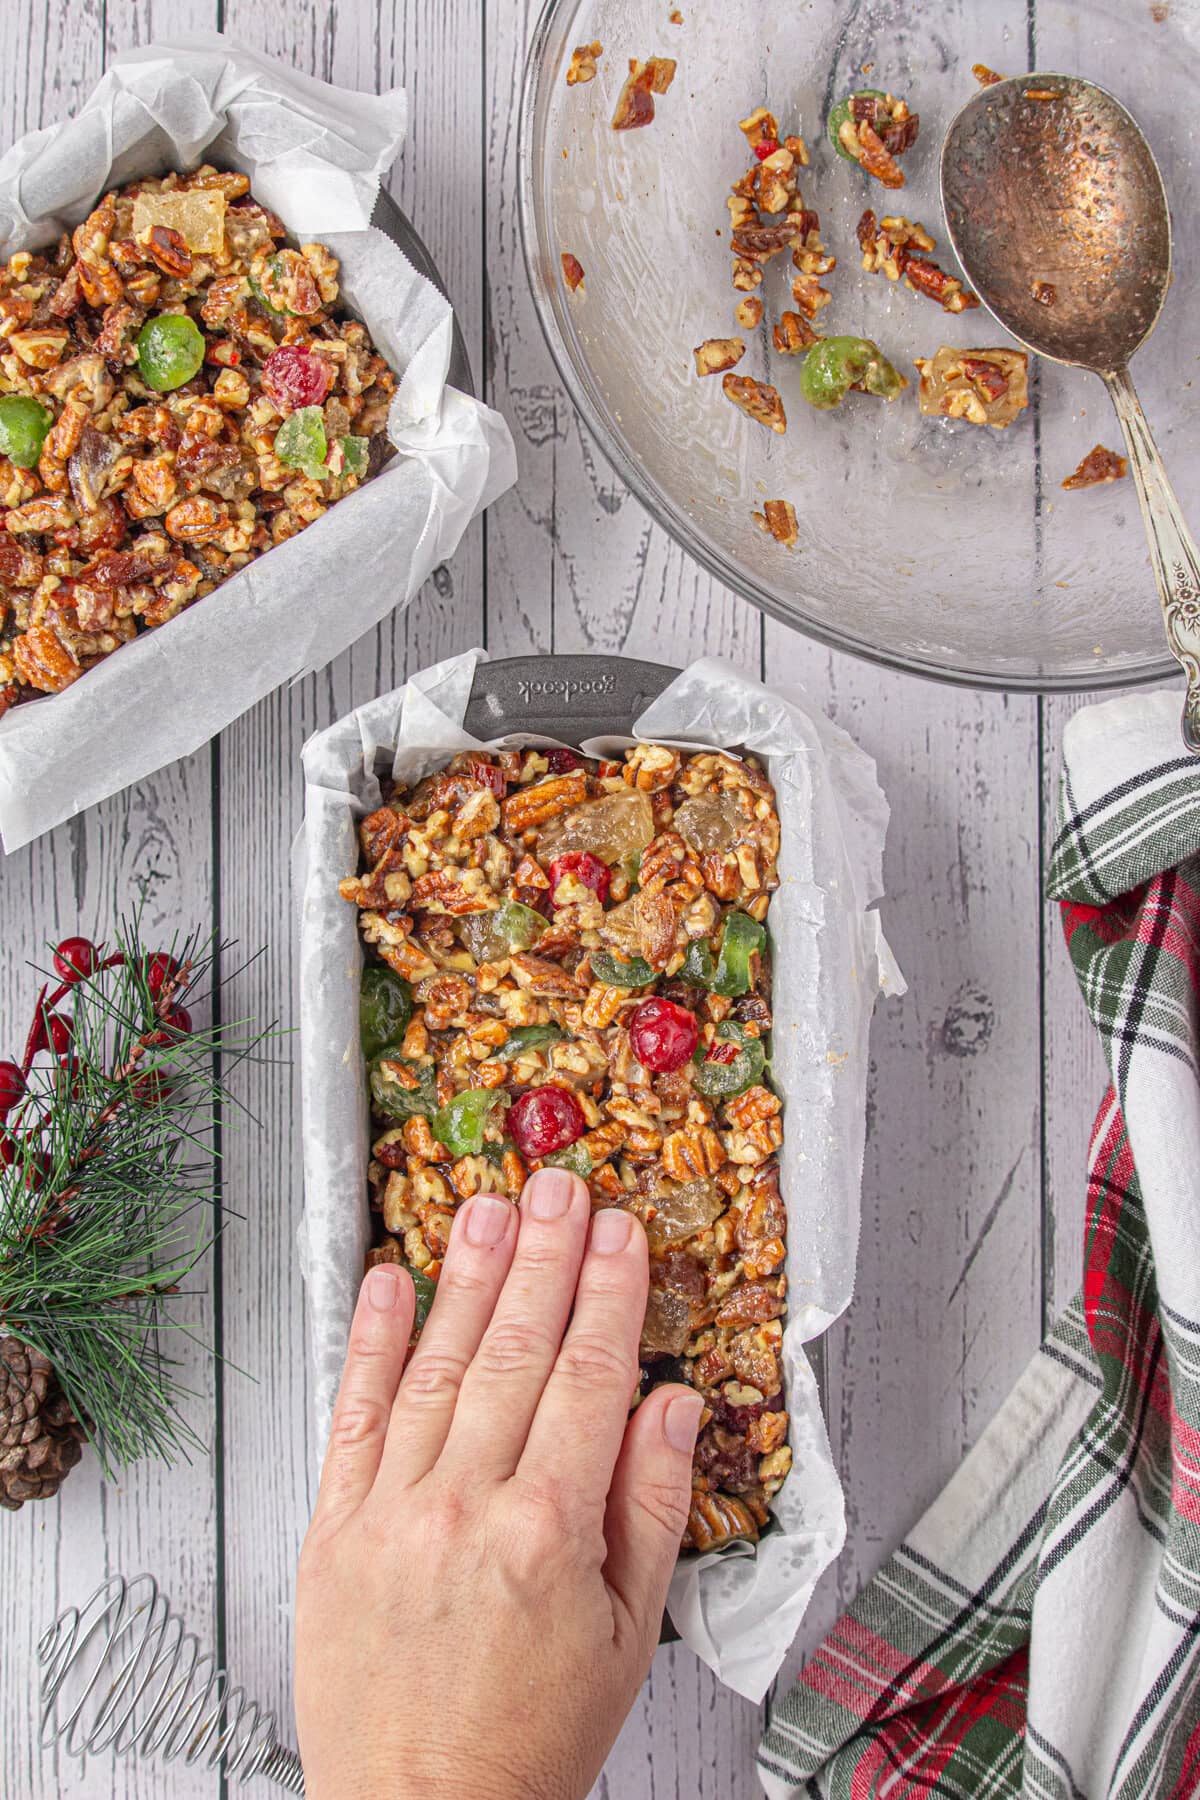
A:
107	1202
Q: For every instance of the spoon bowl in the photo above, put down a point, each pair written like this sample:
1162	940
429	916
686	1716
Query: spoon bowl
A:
1064	191
1057	212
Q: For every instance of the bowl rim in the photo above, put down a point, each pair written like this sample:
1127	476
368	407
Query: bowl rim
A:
539	271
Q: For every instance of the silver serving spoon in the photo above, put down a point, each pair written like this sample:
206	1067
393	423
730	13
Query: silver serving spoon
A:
1064	190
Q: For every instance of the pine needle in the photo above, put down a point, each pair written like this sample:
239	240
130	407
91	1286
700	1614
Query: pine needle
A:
110	1201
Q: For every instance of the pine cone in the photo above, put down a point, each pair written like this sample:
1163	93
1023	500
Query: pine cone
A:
40	1438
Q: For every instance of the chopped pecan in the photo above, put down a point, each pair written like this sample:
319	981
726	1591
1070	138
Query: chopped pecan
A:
530	807
197	520
635	103
715	1519
876	158
925	277
169	250
749	312
38	349
778	520
761	242
793	336
572	270
717	354
757	399
688	1155
1098	467
582	66
760	127
42	661
455	891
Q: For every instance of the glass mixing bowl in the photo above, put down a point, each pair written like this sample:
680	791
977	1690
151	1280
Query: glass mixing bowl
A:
930	545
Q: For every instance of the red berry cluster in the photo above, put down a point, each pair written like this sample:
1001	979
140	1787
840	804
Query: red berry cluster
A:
75	959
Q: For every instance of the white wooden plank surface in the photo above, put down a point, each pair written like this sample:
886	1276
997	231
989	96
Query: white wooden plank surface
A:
973	1180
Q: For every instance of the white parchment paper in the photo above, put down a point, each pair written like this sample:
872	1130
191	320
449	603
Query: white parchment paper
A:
315	154
738	1609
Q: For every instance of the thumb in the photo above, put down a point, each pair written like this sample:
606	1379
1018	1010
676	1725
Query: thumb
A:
648	1503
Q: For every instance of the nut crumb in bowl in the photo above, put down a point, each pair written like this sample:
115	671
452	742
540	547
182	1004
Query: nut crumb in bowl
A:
567	963
181	392
1099	467
985	387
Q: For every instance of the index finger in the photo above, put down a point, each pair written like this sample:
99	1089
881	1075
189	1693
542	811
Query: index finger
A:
383	1321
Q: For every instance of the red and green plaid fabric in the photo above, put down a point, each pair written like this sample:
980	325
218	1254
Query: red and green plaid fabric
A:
1038	1633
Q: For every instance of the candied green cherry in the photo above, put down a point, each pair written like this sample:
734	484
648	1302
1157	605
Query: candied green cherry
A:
836	364
425	1288
742	938
730	1065
384	1009
699	969
301	443
491	936
461	1123
356	455
402	1088
528	1037
23	427
574	1157
614	972
170	350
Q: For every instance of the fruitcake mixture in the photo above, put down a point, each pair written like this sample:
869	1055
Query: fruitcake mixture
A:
178	392
567	963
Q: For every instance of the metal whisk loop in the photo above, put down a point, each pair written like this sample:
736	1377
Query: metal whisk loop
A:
124	1674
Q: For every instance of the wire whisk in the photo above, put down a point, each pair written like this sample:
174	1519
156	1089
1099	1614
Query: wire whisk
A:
123	1674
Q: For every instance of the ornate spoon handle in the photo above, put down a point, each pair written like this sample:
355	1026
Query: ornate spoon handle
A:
1172	546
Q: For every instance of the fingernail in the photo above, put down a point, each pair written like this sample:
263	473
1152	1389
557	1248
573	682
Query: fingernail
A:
611	1229
550	1193
383	1288
681	1421
487	1219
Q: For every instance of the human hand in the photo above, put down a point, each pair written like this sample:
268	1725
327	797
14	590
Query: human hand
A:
482	1584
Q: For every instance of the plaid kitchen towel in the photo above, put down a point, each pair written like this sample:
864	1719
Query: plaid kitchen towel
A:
1038	1634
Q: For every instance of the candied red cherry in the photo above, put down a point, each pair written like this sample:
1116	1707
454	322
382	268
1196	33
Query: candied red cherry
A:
664	1036
293	377
75	958
159	969
585	868
768	147
544	1120
563	761
12	1087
